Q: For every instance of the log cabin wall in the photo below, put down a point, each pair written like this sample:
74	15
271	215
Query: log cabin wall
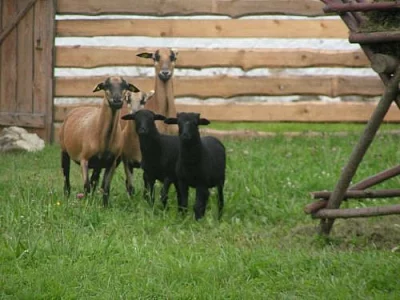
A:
306	21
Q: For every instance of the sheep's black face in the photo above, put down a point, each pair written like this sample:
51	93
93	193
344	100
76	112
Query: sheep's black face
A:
143	121
115	89
188	126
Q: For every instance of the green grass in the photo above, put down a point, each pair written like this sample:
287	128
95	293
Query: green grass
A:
280	127
264	247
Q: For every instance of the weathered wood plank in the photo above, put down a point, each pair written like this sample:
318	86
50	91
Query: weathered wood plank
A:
242	28
310	111
93	57
1	47
230	86
22	119
9	60
233	8
43	61
24	100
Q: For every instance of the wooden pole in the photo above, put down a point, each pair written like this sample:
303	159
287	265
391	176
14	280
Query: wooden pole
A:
376	179
360	194
347	7
374	37
346	213
361	148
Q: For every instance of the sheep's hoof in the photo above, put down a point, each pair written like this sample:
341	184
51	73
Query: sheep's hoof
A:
131	191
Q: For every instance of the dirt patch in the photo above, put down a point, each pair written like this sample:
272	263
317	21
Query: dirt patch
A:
357	234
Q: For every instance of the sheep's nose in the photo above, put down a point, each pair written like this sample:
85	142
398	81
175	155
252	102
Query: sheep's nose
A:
142	130
185	136
164	75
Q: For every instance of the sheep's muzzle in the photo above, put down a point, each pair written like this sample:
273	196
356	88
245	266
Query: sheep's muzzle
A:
165	75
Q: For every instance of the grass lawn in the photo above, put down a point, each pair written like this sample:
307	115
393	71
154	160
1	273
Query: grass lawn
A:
281	127
264	247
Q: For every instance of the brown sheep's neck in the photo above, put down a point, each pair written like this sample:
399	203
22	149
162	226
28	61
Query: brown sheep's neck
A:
108	125
164	96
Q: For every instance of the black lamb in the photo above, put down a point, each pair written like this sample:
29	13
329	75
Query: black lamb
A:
201	162
159	153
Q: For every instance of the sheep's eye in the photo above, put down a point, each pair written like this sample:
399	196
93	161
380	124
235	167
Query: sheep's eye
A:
172	57
157	56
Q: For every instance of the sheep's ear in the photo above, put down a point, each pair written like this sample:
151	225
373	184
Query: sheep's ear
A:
128	117
203	121
99	87
145	55
145	97
133	88
159	117
171	121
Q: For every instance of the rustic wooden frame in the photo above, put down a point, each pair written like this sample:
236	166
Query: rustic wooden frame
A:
329	210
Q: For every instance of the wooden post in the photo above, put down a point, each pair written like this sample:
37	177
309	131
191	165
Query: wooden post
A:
361	148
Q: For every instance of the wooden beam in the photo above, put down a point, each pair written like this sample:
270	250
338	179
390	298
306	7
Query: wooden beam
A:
230	86
272	112
354	194
210	28
346	213
93	57
315	206
22	119
44	33
374	37
346	7
233	8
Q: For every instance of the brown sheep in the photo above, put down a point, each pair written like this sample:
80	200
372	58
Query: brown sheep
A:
131	155
92	136
163	101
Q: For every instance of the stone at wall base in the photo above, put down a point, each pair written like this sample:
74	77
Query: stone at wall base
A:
15	139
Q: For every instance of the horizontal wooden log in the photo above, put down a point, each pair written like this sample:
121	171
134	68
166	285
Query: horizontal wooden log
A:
93	57
233	8
345	213
315	206
273	112
22	119
346	7
230	86
374	37
242	28
354	194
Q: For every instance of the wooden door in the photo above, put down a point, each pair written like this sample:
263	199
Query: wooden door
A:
26	68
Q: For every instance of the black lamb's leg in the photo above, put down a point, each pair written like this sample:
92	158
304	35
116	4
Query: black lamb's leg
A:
183	197
202	195
164	192
220	200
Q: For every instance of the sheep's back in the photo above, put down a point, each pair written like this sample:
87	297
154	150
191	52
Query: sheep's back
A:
214	160
76	128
